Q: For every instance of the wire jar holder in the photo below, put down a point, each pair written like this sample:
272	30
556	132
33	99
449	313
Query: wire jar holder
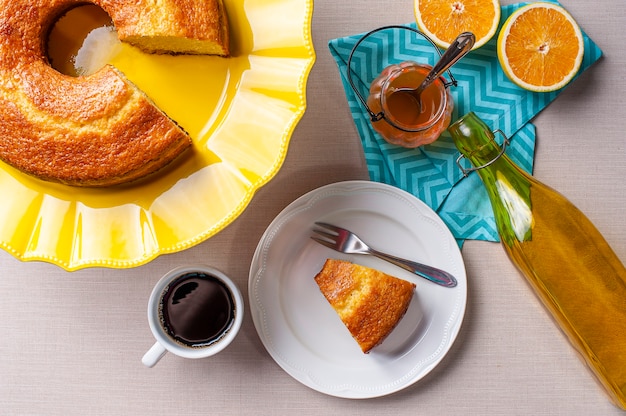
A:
377	116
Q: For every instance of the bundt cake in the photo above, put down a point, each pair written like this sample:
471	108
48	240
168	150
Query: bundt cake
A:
96	130
369	302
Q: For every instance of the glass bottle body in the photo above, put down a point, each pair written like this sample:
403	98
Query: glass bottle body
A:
403	124
573	270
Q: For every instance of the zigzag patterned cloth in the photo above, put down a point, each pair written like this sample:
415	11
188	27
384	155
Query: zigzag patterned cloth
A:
430	172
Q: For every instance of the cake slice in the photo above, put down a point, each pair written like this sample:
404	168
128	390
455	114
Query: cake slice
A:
176	27
369	302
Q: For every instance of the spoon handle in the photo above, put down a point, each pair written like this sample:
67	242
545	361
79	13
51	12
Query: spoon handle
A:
457	49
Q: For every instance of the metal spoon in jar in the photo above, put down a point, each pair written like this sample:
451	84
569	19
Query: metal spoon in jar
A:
457	49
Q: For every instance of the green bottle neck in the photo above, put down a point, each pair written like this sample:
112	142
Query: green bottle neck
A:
475	140
507	185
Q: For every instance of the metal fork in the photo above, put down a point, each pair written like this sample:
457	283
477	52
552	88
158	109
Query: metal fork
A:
345	241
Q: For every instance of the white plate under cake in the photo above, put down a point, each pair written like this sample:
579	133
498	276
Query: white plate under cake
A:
304	335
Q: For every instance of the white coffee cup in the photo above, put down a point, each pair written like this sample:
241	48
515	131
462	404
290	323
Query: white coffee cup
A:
166	341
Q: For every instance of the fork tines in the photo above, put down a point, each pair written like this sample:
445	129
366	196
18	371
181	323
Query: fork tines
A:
325	235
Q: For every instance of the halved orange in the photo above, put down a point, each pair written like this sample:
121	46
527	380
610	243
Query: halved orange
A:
540	47
444	20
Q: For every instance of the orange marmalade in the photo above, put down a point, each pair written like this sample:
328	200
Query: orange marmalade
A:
403	123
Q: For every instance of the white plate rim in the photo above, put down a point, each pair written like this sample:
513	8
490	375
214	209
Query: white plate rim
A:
297	368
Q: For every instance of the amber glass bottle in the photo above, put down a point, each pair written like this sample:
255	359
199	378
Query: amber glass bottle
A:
563	256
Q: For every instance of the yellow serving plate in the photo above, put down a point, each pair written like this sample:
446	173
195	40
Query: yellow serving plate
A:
240	112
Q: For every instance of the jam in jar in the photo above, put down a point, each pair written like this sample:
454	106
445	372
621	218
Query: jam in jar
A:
400	120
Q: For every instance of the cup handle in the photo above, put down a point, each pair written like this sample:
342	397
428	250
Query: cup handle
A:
153	355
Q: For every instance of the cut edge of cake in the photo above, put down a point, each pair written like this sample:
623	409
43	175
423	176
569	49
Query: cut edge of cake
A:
369	302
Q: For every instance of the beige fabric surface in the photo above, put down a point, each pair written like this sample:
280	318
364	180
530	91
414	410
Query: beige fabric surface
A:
71	343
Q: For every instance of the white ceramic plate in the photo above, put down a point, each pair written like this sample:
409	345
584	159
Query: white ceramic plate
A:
302	332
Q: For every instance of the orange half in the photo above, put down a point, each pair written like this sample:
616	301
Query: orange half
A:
444	20
540	47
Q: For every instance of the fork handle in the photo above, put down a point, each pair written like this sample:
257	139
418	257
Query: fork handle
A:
433	274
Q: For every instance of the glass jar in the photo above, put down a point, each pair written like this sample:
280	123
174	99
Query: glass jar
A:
401	122
396	116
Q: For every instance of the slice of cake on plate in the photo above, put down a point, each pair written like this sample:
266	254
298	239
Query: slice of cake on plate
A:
369	302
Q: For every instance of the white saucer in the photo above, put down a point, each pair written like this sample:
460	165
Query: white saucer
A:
302	332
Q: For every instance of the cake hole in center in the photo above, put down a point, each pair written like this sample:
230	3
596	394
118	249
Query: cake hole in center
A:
82	41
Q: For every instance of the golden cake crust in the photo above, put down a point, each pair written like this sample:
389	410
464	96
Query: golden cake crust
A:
205	22
97	130
79	139
369	302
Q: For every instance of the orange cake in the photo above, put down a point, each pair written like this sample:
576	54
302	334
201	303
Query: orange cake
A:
171	26
369	302
95	130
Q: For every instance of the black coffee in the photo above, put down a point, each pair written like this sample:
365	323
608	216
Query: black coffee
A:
197	309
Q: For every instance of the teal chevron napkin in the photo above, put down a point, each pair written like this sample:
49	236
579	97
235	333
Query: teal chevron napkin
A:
430	172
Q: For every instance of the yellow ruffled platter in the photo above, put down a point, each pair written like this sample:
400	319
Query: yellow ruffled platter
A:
240	111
